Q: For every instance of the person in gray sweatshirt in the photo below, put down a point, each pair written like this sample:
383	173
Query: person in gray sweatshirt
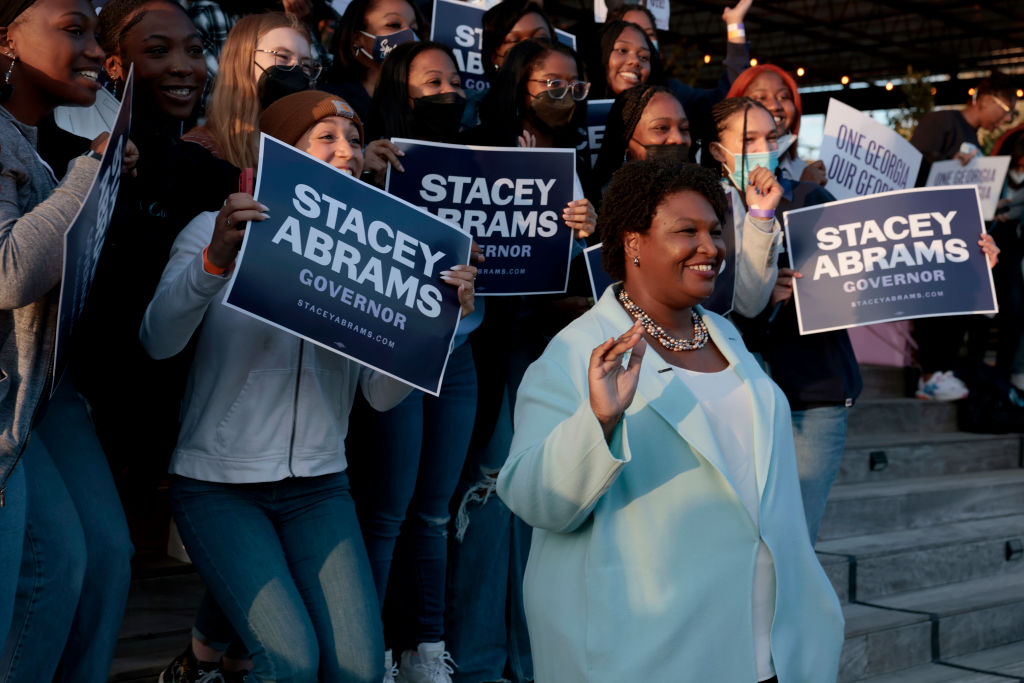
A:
64	566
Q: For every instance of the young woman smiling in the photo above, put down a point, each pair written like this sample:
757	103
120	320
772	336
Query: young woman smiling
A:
61	524
134	400
368	31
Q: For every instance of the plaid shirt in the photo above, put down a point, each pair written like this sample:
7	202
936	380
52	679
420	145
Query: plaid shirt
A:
214	23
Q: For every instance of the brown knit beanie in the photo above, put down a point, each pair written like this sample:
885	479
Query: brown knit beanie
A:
290	117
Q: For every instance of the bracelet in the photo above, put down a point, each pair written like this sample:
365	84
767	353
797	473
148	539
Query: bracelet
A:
736	31
209	267
761	213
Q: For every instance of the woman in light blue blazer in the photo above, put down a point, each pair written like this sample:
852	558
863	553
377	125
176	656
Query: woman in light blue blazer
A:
669	535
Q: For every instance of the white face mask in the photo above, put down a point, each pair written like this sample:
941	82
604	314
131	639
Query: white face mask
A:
1017	177
785	142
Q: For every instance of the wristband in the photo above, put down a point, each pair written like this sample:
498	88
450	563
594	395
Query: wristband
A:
209	267
736	31
761	213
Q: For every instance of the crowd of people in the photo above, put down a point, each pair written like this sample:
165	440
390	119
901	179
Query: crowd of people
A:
601	490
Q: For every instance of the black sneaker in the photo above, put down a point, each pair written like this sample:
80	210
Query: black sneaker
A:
187	669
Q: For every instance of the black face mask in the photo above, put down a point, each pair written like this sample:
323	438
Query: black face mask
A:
679	153
551	113
277	82
437	118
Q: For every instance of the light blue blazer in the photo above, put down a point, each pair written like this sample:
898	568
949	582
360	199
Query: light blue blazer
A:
642	561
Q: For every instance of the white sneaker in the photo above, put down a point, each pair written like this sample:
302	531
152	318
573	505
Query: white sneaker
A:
942	386
1017	380
390	670
431	663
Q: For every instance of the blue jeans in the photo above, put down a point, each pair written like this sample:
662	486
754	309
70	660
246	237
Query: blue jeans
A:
418	450
819	435
12	535
286	563
486	623
75	565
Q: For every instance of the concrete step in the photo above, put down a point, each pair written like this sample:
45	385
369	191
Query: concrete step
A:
1007	660
879	641
915	559
904	415
970	616
903	455
837	568
936	673
884	381
886	506
157	624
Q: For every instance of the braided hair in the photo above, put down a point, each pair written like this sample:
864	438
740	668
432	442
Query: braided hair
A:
721	113
622	122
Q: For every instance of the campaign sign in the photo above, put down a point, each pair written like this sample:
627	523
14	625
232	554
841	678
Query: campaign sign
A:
863	157
721	298
893	256
458	25
565	38
985	173
597	119
83	241
345	266
599	277
509	199
661	11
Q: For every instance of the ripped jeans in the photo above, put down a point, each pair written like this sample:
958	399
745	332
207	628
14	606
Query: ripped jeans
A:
405	470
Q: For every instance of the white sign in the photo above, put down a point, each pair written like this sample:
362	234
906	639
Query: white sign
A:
659	8
863	157
985	173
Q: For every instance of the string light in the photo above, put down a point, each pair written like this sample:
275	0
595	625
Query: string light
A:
971	92
707	59
1020	93
845	80
753	62
800	71
889	85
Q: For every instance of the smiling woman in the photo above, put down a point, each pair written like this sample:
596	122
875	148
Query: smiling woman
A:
64	547
686	448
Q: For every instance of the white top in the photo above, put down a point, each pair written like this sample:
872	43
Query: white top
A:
727	405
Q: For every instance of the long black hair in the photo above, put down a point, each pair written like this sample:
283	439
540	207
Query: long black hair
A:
503	109
347	66
496	24
390	113
606	43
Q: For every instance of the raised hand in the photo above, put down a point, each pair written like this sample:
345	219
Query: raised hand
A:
612	386
763	190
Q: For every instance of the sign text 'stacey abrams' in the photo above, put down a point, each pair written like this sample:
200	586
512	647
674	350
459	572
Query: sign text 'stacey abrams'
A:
346	266
510	200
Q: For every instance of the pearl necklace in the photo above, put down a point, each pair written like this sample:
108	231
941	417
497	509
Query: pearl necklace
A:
700	330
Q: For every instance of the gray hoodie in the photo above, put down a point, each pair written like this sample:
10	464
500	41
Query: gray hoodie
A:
35	212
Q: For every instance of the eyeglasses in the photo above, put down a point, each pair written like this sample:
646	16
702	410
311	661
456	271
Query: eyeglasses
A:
557	88
287	61
1007	109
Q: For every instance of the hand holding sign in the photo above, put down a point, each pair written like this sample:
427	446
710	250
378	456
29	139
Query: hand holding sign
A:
735	15
462	276
989	248
229	230
580	215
